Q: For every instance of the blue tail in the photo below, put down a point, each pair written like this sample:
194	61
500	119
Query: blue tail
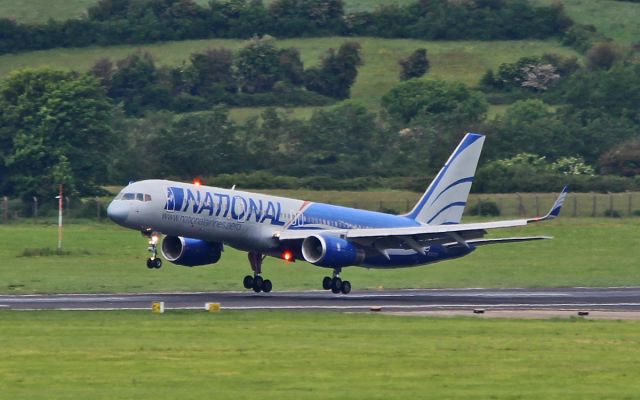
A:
446	197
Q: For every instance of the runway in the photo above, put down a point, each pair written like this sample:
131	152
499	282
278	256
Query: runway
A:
611	299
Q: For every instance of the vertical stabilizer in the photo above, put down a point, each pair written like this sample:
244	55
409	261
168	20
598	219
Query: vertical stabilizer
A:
446	197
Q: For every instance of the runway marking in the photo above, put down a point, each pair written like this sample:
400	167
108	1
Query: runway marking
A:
533	290
352	307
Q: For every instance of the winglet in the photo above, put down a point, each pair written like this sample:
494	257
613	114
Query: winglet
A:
555	209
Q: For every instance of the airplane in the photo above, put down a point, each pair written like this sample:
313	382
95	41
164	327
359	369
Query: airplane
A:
197	222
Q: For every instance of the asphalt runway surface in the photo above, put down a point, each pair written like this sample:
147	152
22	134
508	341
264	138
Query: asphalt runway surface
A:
610	299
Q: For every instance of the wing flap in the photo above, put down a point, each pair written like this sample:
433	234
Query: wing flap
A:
483	242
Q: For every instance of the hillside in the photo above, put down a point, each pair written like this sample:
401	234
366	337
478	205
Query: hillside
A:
616	19
42	10
463	61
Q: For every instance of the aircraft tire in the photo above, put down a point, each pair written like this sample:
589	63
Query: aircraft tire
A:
336	285
346	287
326	283
247	282
157	263
258	284
150	263
267	286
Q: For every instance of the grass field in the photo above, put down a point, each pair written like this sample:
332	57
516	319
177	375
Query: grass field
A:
238	355
462	61
616	19
105	258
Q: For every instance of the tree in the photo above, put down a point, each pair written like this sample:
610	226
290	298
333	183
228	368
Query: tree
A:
415	65
434	101
337	73
260	64
137	83
103	70
57	128
602	56
200	144
530	126
343	140
213	73
623	159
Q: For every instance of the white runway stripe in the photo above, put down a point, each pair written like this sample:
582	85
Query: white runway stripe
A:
354	307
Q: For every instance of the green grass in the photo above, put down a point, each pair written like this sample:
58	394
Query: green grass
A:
585	252
462	61
616	19
239	355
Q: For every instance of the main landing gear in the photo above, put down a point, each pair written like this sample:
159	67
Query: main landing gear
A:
256	282
154	261
335	284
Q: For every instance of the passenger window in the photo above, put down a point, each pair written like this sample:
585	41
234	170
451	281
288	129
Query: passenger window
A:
147	197
139	197
129	196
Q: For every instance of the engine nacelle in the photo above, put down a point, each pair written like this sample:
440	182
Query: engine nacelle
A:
190	252
330	251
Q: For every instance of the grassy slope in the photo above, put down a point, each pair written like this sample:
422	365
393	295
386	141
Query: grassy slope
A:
231	355
616	19
463	61
586	252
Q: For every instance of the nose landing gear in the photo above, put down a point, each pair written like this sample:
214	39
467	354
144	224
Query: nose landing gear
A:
256	282
154	261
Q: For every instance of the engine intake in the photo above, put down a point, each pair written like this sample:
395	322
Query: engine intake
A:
330	251
190	252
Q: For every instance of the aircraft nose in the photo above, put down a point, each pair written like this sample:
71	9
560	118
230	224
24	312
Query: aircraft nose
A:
118	211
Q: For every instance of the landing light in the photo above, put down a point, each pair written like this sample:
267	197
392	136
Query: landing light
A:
287	255
197	182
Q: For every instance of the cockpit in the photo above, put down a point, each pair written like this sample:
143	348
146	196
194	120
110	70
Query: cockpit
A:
133	196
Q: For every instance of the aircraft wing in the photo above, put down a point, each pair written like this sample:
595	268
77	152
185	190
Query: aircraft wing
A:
443	233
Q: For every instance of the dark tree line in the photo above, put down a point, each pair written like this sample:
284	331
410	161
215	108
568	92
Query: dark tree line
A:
258	74
145	21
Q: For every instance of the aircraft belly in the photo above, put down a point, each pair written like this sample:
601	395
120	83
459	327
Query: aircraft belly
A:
399	258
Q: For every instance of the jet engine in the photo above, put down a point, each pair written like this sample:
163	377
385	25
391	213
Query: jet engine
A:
190	252
331	251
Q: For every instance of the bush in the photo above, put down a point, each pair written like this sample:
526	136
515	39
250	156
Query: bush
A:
485	208
612	214
636	213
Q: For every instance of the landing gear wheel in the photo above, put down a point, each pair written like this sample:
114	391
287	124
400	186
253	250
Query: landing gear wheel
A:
336	285
157	263
346	287
326	283
267	286
258	284
248	282
150	263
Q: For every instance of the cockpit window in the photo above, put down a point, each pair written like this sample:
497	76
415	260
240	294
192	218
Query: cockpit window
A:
147	197
129	196
140	197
